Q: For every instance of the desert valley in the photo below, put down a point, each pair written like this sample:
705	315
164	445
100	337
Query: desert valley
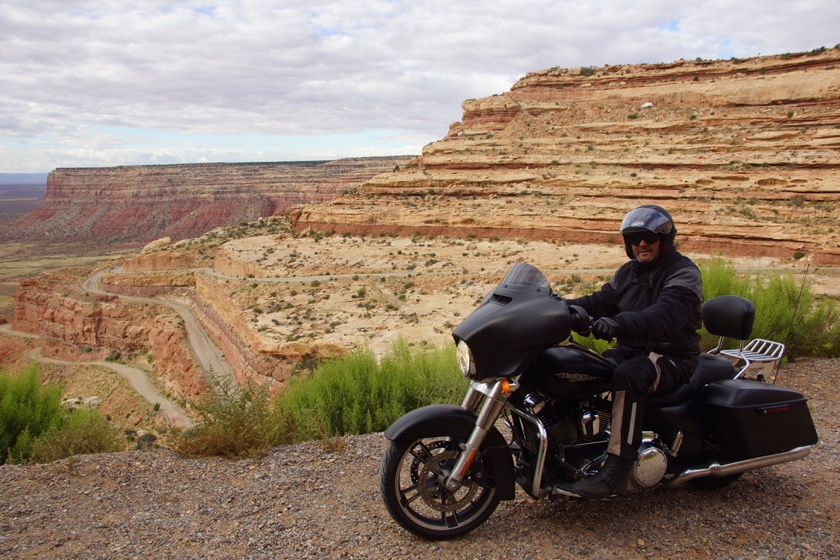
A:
284	264
141	288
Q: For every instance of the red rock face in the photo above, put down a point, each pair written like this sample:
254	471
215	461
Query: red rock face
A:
140	203
75	325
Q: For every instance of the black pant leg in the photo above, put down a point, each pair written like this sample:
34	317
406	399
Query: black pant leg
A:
633	381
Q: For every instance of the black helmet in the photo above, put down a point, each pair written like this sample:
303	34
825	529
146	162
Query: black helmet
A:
649	218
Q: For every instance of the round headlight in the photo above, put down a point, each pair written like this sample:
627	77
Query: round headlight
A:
465	359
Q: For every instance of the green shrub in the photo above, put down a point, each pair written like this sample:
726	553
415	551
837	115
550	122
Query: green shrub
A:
720	278
27	410
356	394
235	423
83	431
35	427
593	343
350	395
813	331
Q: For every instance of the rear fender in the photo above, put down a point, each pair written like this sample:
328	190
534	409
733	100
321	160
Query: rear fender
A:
455	421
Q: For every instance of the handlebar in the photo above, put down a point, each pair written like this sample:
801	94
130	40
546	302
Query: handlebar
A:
580	319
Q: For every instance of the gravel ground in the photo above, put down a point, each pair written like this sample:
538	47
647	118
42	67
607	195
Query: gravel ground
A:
314	501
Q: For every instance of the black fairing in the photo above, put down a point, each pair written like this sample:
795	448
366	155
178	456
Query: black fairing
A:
519	318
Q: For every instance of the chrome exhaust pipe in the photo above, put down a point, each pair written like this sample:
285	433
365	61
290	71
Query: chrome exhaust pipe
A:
716	469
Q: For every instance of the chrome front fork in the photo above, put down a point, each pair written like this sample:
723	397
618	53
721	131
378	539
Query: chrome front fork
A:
494	396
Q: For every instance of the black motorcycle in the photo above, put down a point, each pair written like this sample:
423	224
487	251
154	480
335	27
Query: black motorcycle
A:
537	414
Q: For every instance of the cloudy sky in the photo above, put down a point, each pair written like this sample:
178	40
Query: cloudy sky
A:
112	82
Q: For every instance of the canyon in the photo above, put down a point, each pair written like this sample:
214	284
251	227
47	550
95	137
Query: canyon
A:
284	265
136	204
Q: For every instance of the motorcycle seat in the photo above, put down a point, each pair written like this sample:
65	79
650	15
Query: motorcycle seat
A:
709	368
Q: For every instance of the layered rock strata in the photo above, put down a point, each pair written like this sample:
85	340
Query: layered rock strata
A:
76	325
136	204
745	152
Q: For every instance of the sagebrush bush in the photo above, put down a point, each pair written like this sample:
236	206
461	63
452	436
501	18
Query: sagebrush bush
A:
358	394
350	395
236	423
814	330
35	427
83	431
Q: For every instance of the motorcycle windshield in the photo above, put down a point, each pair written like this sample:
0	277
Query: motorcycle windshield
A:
516	320
525	277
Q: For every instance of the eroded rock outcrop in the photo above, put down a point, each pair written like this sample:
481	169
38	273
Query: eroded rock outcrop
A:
139	204
745	152
77	325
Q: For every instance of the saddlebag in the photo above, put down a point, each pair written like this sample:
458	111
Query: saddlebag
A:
752	419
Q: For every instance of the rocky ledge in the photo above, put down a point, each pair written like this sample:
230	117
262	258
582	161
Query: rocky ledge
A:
745	152
137	204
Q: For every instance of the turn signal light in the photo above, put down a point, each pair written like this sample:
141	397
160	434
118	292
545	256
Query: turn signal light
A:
506	389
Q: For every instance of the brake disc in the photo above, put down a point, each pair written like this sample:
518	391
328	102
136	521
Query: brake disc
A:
429	477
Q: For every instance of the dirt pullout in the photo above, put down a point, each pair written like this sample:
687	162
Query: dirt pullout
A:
318	500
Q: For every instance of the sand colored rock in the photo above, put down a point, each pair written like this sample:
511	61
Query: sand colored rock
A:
746	153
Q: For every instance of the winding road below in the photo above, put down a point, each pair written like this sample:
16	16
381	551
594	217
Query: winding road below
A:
174	414
205	352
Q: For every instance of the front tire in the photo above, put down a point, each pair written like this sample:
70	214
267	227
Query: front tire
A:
411	483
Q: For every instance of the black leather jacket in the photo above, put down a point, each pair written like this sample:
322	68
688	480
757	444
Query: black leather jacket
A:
657	306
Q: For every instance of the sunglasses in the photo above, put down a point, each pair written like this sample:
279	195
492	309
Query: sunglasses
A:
637	238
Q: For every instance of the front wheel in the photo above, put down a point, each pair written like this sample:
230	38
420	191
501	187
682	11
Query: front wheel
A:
411	483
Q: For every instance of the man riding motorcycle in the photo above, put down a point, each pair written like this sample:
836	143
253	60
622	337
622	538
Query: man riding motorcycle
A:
652	305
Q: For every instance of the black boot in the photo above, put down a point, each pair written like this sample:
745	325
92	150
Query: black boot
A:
610	480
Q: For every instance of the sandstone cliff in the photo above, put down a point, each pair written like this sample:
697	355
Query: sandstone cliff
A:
136	204
76	325
745	152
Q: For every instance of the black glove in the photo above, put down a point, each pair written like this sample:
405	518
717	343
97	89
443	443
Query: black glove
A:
605	328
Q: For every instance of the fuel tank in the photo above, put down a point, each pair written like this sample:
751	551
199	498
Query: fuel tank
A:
571	371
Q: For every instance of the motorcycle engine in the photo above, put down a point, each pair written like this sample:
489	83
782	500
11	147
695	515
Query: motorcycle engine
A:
559	425
649	467
594	420
566	425
581	428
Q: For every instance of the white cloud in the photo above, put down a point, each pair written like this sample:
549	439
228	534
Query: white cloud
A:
291	70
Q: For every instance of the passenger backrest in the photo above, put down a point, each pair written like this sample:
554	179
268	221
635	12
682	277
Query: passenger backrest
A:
729	316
